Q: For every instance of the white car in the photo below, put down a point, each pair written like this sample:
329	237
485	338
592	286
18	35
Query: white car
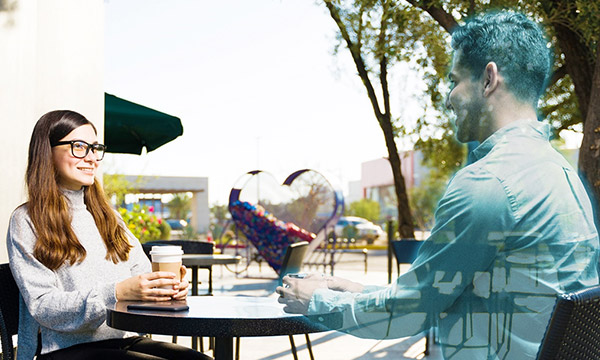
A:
364	228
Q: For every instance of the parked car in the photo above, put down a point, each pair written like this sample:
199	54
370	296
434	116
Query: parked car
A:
177	224
359	228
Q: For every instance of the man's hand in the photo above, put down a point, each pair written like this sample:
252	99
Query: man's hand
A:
341	284
296	293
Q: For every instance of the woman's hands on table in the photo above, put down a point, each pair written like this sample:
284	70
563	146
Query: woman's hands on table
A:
146	287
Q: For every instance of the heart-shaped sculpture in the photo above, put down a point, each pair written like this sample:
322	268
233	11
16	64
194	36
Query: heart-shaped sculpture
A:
273	216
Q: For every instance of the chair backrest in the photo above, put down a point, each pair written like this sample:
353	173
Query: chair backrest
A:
188	246
574	329
293	258
406	250
9	311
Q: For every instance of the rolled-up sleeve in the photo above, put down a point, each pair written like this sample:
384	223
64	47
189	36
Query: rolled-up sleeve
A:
471	220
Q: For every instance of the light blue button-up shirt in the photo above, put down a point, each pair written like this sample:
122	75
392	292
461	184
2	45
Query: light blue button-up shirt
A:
513	229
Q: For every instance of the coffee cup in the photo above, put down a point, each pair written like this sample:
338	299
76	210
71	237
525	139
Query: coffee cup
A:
167	258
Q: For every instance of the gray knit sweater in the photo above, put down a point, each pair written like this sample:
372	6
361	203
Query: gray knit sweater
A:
69	304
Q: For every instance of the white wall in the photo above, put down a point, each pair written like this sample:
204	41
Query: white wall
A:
52	58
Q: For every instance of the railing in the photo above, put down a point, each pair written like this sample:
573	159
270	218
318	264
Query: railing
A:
332	253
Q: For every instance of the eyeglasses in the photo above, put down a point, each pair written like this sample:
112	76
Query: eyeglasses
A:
80	148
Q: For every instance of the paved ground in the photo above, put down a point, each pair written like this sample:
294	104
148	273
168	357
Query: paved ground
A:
330	345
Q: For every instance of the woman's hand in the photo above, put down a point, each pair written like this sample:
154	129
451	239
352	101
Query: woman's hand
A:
182	288
147	287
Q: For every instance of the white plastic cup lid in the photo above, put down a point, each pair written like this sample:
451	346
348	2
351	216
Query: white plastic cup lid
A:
166	250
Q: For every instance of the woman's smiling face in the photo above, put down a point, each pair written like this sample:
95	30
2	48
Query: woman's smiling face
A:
74	173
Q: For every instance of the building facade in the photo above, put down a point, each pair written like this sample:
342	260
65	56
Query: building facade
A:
52	58
377	180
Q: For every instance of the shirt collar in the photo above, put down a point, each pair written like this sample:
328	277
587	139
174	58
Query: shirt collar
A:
518	127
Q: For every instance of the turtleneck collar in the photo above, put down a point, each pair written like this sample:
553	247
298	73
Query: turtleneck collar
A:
75	198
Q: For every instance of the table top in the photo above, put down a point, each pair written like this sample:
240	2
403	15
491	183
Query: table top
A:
209	259
226	316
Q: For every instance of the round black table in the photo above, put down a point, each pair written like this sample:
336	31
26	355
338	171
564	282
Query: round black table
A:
195	261
222	317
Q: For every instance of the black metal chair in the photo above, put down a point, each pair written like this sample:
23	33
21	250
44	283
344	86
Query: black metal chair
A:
188	247
9	312
406	251
574	329
293	259
292	263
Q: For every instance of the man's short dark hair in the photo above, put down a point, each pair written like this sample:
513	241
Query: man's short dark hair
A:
515	43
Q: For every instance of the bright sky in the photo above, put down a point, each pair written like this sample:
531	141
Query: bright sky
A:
255	83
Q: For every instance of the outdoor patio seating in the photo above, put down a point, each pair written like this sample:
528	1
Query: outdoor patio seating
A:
574	329
188	247
9	312
292	263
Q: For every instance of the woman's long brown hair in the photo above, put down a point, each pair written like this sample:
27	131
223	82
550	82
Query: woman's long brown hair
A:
49	209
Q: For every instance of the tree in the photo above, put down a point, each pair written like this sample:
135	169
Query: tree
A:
373	32
424	27
220	215
573	93
116	187
220	212
180	206
365	208
425	196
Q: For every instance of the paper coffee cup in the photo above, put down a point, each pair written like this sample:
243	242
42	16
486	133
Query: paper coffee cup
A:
167	258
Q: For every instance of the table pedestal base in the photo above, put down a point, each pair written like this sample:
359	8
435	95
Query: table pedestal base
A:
224	348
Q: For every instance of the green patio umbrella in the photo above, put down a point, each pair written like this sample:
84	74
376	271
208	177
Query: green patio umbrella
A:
128	127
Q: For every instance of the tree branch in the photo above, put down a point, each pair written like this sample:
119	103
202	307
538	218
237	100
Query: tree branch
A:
557	75
440	15
471	7
356	56
383	63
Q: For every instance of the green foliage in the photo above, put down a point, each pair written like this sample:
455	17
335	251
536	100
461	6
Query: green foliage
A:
349	232
220	214
559	106
364	208
189	233
165	230
180	206
116	187
412	34
424	198
142	223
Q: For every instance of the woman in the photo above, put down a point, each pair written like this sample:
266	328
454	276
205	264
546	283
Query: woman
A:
72	256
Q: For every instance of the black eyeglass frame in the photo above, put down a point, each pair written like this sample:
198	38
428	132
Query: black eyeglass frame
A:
95	147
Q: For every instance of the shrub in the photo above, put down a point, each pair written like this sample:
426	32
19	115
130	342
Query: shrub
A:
165	230
142	223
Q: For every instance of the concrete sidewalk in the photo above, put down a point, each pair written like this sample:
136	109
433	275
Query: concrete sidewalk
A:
331	345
